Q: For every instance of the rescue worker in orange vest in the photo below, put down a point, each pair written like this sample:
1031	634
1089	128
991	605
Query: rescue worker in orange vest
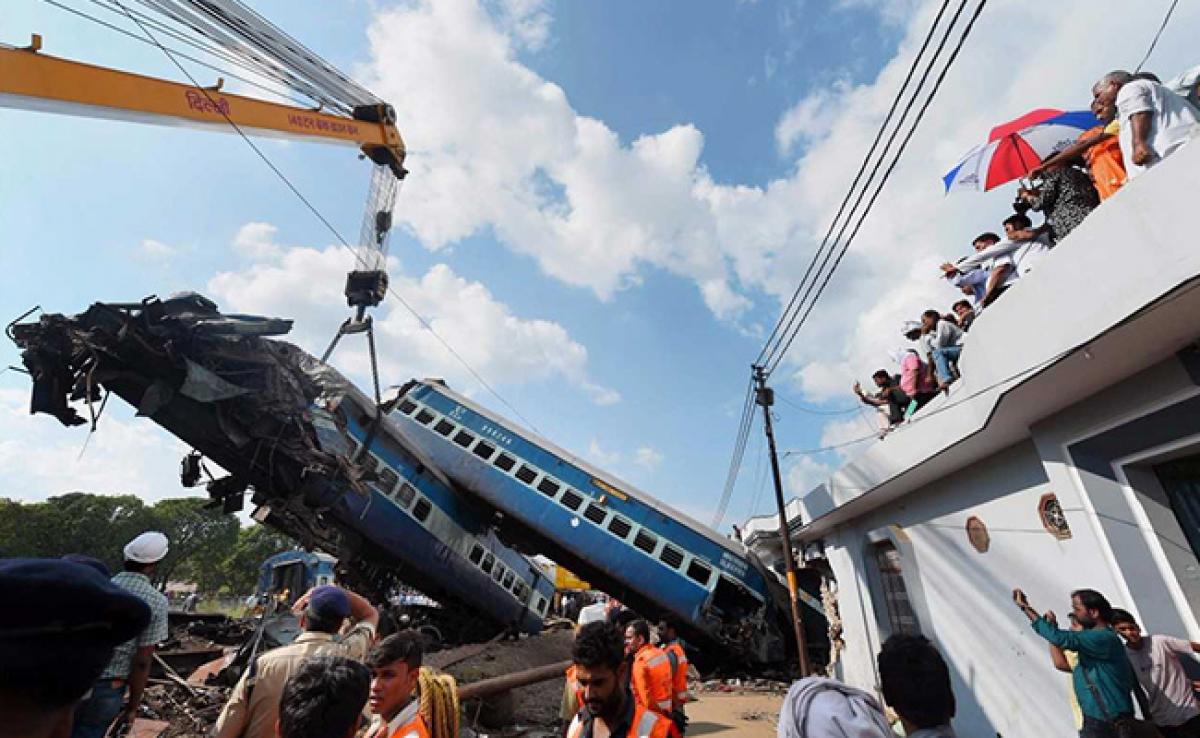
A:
572	698
673	647
650	676
395	667
609	710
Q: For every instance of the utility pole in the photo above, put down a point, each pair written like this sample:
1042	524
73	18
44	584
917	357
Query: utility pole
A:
764	396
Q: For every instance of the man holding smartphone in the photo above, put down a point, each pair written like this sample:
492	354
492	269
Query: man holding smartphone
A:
1103	680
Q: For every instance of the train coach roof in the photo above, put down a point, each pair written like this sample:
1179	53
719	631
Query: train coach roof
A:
609	479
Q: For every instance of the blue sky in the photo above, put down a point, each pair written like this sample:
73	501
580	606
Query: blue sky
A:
608	202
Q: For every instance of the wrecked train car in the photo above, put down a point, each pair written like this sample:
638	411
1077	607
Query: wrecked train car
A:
658	560
323	465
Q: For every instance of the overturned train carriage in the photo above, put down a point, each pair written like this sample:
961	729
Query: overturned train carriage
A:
325	468
657	560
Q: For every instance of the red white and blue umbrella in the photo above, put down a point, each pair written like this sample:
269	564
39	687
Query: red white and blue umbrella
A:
1015	148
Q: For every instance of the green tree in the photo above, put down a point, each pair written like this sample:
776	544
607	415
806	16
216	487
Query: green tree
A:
254	545
95	525
199	539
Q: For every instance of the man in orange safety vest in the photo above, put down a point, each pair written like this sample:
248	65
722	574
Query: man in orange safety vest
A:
650	675
609	709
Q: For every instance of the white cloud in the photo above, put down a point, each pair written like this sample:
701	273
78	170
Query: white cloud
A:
496	148
648	457
157	250
809	120
305	284
600	456
803	474
39	458
257	241
890	11
526	21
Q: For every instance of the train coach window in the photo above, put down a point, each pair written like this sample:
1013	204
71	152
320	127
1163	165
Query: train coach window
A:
424	417
488	562
499	571
422	509
521	590
571	500
387	480
646	541
464	439
405	494
548	487
526	474
619	527
444	427
595	513
407	407
476	554
484	450
671	556
505	462
508	580
699	572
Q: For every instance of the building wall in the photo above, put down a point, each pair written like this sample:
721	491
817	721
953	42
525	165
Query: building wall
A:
1124	542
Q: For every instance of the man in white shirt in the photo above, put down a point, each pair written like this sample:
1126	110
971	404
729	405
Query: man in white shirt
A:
1006	261
1154	122
1155	661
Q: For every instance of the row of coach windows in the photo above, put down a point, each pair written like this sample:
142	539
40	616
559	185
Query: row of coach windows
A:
620	527
486	562
403	494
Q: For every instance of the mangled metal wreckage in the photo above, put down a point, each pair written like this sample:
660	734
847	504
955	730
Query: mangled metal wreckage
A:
324	466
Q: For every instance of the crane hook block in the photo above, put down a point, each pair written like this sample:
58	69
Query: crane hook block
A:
366	288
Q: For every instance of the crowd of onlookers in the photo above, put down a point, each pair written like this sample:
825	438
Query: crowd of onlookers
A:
1142	121
1123	682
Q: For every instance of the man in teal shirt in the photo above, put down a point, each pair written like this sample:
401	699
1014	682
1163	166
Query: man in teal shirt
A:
1102	660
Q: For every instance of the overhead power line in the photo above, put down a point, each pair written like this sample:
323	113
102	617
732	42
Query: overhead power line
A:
325	221
1157	35
739	452
787	327
762	356
782	351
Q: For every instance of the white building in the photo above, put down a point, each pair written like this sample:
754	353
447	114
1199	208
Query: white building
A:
1067	456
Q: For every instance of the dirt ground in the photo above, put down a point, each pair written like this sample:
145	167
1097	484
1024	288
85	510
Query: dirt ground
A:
534	706
733	715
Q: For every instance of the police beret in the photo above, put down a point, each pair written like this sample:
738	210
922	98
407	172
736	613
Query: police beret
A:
329	602
47	598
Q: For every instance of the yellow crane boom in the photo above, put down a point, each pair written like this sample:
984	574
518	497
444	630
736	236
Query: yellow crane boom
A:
32	80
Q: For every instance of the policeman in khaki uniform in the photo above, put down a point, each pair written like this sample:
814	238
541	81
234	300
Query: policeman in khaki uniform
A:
253	708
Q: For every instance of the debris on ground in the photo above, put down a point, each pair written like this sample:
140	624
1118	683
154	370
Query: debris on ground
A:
742	685
532	707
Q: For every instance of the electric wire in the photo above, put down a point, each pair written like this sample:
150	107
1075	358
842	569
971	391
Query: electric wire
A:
857	177
739	452
177	52
1157	35
882	183
332	229
814	411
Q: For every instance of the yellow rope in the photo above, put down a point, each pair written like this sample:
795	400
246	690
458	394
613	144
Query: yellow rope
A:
439	703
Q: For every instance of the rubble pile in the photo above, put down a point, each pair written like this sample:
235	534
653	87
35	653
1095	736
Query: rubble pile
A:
190	712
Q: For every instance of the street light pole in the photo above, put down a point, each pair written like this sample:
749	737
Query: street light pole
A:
765	397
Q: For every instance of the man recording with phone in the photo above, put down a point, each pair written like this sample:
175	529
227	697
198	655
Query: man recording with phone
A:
1103	680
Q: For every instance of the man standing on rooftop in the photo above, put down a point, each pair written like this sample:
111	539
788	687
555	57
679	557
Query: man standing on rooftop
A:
1153	121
